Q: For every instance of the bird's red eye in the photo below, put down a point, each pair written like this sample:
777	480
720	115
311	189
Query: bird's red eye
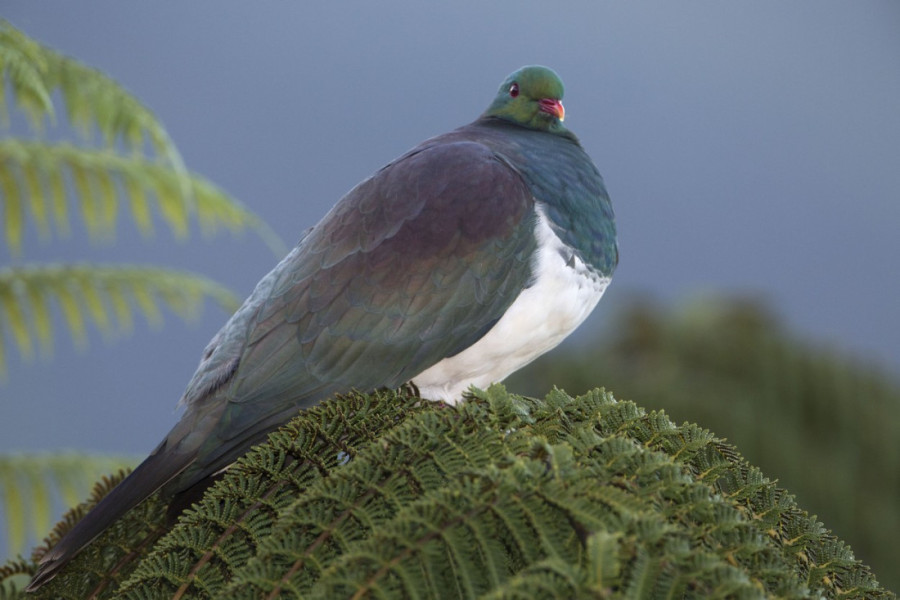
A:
514	90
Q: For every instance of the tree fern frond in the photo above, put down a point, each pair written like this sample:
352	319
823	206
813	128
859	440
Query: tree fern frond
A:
35	174
36	487
551	578
216	209
387	496
13	219
24	63
92	98
794	405
91	293
32	174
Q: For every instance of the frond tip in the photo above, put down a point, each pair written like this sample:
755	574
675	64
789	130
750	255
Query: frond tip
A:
103	295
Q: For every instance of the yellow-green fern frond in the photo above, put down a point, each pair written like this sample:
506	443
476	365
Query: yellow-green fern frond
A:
93	100
104	295
36	177
37	488
216	210
24	64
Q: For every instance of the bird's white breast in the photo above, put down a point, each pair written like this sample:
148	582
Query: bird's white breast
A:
563	293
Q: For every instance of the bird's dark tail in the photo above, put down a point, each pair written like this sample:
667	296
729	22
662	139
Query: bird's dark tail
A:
158	469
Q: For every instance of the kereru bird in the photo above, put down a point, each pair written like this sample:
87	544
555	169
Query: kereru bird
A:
454	265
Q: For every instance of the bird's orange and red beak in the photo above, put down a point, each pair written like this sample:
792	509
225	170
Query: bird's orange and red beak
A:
554	107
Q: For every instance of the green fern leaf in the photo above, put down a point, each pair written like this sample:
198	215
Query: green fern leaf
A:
93	100
86	293
12	210
821	421
501	497
24	63
100	177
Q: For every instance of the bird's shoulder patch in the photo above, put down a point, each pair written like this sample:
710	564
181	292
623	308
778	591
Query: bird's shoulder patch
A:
444	195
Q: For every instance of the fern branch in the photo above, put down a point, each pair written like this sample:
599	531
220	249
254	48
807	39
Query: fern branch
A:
386	496
93	293
93	100
96	102
35	177
24	63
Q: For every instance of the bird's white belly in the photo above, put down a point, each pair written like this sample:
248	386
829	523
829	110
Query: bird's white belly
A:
563	294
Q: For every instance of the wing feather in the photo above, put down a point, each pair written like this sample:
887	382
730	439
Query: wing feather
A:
413	265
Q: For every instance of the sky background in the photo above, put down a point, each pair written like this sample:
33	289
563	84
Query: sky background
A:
749	148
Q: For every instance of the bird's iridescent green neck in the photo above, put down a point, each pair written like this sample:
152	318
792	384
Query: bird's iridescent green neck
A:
520	97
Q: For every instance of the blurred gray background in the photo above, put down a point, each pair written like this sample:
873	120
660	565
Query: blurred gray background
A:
749	148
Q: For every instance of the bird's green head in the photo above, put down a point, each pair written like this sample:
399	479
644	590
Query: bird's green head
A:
531	97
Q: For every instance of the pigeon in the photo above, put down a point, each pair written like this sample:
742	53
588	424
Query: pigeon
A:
453	266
